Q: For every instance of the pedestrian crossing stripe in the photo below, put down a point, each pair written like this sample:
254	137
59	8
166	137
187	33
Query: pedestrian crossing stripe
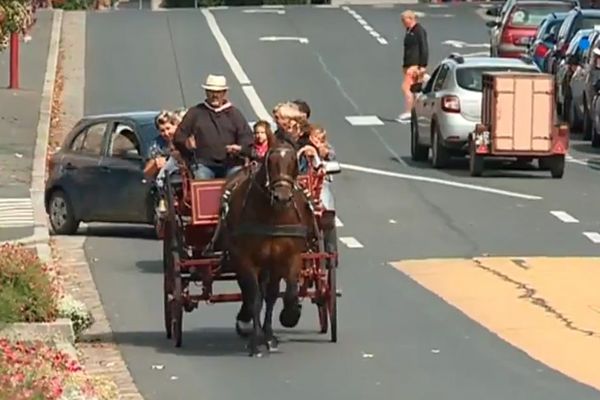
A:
16	212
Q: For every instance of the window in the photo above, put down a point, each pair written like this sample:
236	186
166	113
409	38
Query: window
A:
123	142
94	137
432	78
532	16
78	141
470	78
441	78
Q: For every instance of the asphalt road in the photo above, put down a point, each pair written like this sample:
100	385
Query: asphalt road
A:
396	339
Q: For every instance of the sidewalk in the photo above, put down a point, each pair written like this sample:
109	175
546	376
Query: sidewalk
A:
19	114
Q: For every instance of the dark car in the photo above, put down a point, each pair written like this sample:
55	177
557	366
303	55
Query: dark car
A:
545	39
511	36
577	19
97	175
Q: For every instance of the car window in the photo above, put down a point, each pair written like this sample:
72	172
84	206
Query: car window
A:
432	78
564	28
93	138
470	78
77	141
441	78
123	141
531	16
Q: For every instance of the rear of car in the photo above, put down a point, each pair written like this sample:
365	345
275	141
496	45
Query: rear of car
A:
461	104
522	23
545	39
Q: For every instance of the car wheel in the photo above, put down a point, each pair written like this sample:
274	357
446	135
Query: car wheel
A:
439	154
595	137
60	212
418	152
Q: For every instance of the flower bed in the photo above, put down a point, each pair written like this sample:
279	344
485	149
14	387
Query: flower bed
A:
30	292
37	372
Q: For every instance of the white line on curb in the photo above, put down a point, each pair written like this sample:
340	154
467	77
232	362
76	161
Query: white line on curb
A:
440	181
365	25
593	236
565	217
351	242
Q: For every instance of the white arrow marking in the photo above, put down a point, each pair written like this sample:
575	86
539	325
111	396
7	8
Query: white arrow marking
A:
459	44
264	11
281	38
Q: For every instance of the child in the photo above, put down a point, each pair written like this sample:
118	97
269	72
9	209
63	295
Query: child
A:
262	134
317	137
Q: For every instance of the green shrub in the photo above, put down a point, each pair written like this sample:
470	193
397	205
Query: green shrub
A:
27	291
71	4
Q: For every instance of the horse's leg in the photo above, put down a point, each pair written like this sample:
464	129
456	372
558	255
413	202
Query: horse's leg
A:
292	309
256	299
243	320
271	295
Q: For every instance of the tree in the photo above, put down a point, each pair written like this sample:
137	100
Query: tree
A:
15	17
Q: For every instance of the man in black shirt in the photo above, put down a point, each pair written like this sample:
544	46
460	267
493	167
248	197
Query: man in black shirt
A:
416	57
220	133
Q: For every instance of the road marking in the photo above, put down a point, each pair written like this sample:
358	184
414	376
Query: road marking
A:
365	25
338	222
283	38
364	120
256	103
460	44
272	6
264	11
551	304
584	161
214	8
593	236
326	6
16	212
440	181
438	6
351	242
225	48
565	217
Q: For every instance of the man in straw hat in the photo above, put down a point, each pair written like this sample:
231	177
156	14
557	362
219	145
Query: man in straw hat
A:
416	55
221	135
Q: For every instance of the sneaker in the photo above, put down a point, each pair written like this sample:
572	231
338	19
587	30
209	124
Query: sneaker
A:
404	117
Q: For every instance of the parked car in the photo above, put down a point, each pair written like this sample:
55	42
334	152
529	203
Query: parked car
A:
576	19
595	107
97	175
570	65
545	39
448	105
500	10
583	88
510	36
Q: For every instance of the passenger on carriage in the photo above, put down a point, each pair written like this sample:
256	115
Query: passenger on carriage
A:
161	146
262	133
219	129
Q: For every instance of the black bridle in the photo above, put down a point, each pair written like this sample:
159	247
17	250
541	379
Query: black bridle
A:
282	179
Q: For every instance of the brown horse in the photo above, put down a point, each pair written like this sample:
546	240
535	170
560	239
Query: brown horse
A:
269	225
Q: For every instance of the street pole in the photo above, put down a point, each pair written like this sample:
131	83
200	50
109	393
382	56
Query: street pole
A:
14	61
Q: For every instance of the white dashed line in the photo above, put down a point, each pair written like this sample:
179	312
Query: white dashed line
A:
364	120
264	11
338	222
352	243
365	25
16	213
593	236
272	6
565	217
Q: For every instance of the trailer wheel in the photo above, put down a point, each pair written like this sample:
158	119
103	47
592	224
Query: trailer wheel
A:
475	161
177	302
167	282
557	166
332	301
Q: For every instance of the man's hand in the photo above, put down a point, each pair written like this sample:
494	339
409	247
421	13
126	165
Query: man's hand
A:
233	148
307	150
160	162
190	143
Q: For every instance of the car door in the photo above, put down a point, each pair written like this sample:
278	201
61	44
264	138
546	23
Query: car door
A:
578	79
81	175
423	108
123	173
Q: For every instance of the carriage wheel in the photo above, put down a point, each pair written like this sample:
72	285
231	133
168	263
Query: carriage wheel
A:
332	300
177	302
321	289
167	282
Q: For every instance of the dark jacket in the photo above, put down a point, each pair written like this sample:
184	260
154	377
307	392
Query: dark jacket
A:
283	136
416	50
213	130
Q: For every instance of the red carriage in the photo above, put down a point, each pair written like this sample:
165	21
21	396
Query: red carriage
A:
193	212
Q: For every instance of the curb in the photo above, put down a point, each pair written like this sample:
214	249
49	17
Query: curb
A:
41	236
55	333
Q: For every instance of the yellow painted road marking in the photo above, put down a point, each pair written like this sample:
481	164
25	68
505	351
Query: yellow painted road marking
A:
547	307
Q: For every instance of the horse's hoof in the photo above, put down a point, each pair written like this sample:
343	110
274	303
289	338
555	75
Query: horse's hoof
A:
273	345
243	329
256	354
289	317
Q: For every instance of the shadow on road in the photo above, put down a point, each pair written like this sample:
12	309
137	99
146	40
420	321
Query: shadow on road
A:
150	266
205	342
118	231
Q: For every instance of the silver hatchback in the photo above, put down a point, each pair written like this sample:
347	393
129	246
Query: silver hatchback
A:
448	105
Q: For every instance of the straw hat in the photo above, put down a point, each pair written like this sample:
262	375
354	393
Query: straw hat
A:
215	83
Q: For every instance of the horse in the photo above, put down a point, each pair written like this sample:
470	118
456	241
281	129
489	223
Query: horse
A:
269	224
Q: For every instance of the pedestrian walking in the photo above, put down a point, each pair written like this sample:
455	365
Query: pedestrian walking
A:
416	57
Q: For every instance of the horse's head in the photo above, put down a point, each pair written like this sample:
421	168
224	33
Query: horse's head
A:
281	171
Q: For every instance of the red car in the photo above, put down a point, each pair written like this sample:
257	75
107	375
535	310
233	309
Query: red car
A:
510	36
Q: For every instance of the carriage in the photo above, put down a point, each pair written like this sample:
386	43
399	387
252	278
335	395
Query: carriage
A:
193	212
